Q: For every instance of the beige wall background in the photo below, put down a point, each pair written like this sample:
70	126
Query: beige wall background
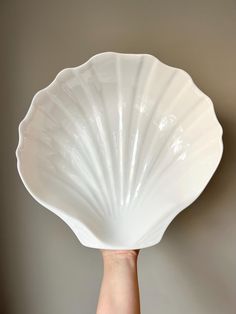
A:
44	269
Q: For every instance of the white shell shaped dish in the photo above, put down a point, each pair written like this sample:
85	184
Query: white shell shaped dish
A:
117	147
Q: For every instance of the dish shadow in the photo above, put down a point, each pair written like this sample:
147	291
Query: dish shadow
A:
200	239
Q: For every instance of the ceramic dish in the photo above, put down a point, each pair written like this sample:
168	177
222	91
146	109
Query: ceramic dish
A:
117	147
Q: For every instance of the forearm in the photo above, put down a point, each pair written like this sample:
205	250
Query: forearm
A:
119	291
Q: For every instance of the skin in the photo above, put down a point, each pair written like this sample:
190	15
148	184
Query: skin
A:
119	290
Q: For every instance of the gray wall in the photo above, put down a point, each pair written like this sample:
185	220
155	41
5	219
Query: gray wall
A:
45	270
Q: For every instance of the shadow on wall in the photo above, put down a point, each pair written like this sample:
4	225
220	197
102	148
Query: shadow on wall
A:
195	239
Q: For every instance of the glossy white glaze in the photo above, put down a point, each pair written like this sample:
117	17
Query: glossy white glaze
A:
117	147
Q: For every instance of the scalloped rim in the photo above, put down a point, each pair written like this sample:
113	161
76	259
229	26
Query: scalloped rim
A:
55	210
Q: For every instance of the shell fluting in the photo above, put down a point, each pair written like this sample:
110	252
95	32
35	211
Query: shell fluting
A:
117	147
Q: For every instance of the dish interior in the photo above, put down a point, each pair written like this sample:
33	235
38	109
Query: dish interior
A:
118	147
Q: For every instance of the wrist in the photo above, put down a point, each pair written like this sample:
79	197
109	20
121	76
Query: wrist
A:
120	254
124	258
120	282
